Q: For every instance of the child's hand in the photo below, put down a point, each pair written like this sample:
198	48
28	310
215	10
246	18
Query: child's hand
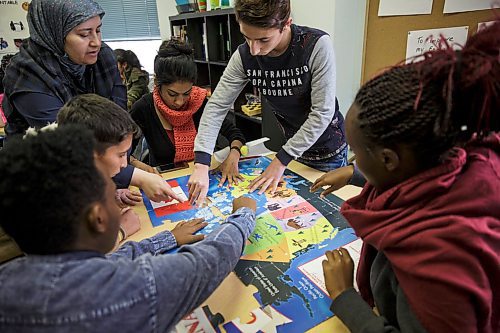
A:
125	197
339	272
229	169
244	202
129	222
184	230
334	179
198	185
269	179
155	187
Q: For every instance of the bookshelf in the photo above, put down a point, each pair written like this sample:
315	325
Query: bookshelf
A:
214	36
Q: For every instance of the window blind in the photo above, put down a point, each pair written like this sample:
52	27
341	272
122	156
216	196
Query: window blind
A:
129	20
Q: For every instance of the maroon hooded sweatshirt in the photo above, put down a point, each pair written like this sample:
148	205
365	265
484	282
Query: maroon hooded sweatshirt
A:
440	230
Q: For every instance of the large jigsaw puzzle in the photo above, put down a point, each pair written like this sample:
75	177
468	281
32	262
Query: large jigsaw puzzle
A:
282	258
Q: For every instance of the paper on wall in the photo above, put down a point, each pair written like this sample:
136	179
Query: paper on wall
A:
398	7
484	25
420	41
457	6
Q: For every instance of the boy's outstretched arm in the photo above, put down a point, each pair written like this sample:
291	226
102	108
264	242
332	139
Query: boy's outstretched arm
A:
185	279
183	233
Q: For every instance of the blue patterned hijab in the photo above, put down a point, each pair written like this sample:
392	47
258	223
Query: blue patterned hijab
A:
51	20
41	66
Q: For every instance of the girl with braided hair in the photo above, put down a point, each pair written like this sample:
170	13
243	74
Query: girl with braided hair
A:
426	138
170	115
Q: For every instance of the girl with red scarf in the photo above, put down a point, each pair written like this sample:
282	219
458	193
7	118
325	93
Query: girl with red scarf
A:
426	138
170	115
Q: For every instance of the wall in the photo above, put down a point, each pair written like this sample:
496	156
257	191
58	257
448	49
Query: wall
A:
166	8
349	35
144	50
345	22
386	37
317	14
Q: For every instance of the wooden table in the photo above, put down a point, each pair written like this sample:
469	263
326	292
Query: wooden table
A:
232	285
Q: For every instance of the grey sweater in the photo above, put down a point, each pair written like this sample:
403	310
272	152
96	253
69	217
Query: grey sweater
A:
307	111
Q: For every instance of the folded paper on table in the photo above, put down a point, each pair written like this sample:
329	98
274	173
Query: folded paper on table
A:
255	148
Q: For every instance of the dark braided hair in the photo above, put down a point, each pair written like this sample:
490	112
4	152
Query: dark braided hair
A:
175	62
444	100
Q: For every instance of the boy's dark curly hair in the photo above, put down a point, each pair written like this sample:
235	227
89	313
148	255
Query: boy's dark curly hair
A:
49	181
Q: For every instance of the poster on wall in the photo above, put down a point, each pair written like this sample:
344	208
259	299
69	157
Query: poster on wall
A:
484	25
420	41
13	25
457	6
398	7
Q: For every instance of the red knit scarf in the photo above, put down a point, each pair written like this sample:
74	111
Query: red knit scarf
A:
182	121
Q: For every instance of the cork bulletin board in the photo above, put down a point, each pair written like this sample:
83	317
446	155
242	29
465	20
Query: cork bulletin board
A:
385	37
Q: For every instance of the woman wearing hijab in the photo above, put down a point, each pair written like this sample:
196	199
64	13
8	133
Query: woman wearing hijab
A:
62	58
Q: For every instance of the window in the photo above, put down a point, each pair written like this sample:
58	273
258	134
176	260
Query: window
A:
130	20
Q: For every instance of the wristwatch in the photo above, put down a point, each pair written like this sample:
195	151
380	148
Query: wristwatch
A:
236	148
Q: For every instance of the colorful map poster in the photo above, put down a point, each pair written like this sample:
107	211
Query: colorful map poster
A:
294	227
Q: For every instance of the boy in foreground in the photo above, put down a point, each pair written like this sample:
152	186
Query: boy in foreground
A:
66	282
